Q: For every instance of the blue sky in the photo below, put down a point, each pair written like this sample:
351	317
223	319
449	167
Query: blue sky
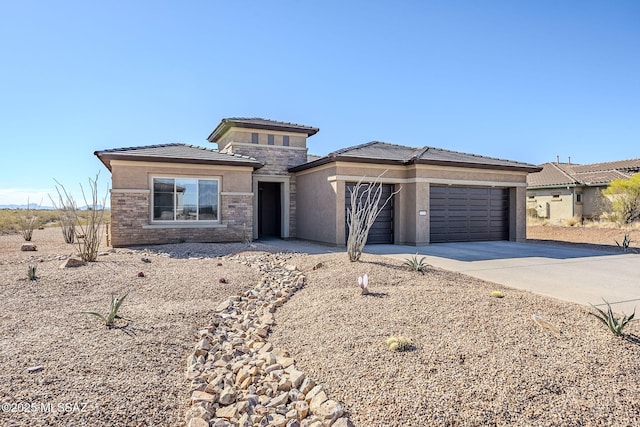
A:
519	80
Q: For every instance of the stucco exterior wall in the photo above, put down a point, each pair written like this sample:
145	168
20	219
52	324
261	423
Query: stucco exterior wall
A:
245	136
414	181
554	204
316	206
592	205
131	204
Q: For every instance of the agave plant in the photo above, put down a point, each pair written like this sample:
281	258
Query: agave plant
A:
112	315
626	243
416	264
31	272
615	324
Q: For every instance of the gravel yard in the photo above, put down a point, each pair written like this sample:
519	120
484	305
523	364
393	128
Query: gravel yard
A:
477	360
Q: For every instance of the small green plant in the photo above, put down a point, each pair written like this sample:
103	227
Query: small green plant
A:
626	242
416	264
497	294
112	315
615	324
31	272
246	239
27	223
399	343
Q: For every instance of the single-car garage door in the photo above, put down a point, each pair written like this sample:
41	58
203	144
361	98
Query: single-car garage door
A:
382	229
467	214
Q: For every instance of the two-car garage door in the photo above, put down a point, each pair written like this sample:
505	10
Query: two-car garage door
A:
466	214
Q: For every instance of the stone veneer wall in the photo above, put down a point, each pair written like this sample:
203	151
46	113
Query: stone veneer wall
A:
277	160
130	222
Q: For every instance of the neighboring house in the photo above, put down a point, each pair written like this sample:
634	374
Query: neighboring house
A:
261	182
561	191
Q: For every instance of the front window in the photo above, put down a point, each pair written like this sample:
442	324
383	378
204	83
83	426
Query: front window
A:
185	199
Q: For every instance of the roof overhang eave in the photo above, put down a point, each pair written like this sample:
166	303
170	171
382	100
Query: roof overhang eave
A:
545	187
330	159
225	125
109	157
529	169
106	162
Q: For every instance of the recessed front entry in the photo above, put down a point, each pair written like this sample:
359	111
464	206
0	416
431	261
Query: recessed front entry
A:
269	209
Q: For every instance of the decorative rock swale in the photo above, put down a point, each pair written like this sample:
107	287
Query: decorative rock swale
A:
238	378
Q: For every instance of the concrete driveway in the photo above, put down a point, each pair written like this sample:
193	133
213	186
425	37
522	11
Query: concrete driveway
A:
568	273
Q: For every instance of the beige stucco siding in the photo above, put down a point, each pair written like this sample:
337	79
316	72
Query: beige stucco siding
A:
137	175
316	213
327	224
592	204
245	136
553	204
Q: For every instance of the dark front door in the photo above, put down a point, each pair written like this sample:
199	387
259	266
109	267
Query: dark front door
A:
269	209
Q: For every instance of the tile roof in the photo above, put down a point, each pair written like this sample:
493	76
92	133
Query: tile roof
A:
386	153
561	174
258	123
175	153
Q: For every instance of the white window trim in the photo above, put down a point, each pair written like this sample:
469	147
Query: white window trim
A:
178	223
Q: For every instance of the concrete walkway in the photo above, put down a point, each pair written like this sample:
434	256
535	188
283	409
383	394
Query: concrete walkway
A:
573	274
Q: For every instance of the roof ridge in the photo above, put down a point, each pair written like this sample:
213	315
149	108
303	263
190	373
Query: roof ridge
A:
471	154
606	166
353	147
565	173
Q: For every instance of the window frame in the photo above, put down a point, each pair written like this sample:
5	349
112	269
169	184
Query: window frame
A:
176	221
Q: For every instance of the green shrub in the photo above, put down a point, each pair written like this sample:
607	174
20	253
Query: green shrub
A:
624	195
497	294
27	223
112	315
615	324
416	264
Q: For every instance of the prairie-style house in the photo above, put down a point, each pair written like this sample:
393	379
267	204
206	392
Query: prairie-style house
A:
260	182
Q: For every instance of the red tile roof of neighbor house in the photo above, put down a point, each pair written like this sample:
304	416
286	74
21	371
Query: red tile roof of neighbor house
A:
258	123
175	153
386	153
567	174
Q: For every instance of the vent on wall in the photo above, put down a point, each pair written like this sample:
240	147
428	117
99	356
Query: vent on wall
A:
543	210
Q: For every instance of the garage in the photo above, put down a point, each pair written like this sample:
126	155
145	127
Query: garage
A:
382	230
468	214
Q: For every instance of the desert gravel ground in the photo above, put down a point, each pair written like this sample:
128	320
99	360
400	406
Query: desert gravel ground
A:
133	376
477	360
605	237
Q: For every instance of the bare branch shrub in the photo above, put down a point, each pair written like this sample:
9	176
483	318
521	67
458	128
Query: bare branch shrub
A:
91	225
364	209
67	215
28	223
